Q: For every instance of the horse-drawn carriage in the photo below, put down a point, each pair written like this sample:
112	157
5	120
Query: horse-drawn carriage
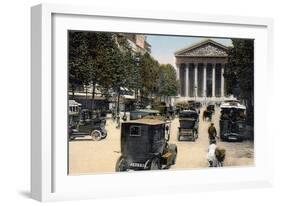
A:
88	123
189	123
144	146
232	121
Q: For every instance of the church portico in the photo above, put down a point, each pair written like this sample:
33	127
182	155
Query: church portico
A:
200	70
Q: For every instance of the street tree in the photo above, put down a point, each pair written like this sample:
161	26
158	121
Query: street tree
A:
124	69
102	60
168	84
239	74
149	75
95	58
78	61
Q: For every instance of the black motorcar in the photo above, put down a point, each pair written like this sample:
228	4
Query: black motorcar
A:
194	105
144	146
232	121
90	123
189	123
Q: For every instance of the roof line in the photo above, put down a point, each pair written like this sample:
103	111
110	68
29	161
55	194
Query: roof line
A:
197	44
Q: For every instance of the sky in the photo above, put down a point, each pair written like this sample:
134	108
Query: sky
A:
164	47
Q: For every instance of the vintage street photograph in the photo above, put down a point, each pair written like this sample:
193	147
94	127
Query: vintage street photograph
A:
141	102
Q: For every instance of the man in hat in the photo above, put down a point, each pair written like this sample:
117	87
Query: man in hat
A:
212	132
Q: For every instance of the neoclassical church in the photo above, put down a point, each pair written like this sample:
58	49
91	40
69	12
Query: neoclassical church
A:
200	69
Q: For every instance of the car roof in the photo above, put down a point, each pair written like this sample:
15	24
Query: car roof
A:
232	104
188	111
187	119
146	110
146	121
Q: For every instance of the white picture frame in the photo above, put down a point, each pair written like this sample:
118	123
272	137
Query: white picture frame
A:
49	179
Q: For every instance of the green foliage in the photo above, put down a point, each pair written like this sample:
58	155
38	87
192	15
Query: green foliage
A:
98	58
239	74
77	61
168	85
106	61
149	74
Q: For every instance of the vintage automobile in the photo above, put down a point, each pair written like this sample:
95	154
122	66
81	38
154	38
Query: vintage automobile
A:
140	113
194	105
144	146
90	123
232	121
189	123
164	110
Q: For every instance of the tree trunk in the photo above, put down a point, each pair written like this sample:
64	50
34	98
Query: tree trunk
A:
86	97
93	96
72	91
118	101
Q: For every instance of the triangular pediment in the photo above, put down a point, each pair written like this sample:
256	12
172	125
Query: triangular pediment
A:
207	48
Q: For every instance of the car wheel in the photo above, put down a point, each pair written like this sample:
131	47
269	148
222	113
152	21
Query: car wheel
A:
121	165
173	148
104	134
194	136
155	164
71	138
96	135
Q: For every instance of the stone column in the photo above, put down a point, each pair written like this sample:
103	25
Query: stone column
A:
222	80
205	80
186	79
178	78
178	71
195	80
214	80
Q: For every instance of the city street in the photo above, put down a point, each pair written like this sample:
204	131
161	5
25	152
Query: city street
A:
87	156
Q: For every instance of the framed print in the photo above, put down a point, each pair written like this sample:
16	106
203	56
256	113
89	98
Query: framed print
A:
129	102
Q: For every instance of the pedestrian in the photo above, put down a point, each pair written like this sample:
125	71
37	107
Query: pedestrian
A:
211	156
220	155
212	132
124	118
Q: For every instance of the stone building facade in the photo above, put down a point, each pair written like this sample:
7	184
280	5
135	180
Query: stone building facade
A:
200	70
